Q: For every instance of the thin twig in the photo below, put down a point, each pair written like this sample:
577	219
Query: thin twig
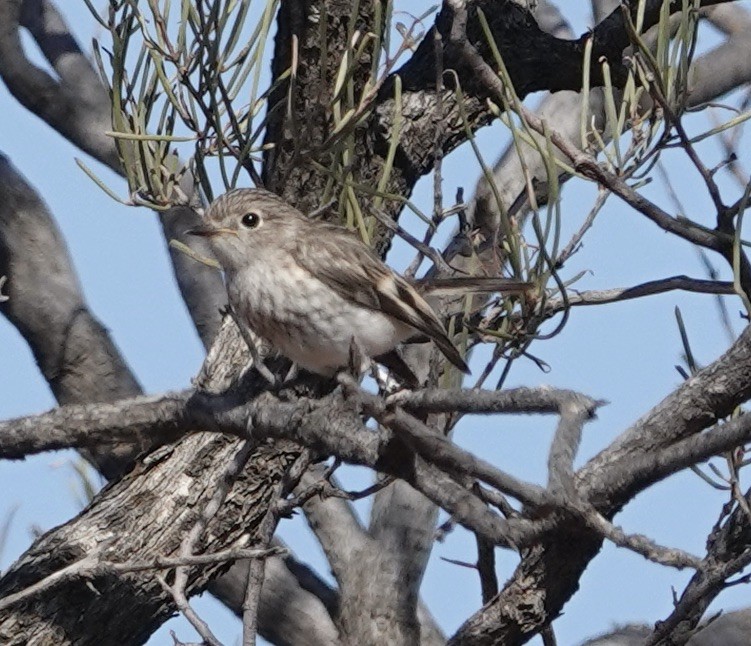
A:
651	288
573	244
181	601
256	570
191	539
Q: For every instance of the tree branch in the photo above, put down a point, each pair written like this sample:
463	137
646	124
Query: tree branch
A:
77	105
73	350
608	482
160	419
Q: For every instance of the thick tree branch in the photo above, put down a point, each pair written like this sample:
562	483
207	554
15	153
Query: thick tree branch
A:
163	418
77	105
73	350
557	561
153	420
72	616
180	412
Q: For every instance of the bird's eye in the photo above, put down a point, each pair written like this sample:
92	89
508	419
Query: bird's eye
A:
250	220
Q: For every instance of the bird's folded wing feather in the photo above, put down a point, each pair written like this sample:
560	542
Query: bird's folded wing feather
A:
349	267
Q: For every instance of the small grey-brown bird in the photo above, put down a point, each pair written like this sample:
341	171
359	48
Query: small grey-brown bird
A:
312	288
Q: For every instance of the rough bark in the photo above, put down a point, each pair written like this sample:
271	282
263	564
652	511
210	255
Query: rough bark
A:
164	496
76	354
79	615
550	570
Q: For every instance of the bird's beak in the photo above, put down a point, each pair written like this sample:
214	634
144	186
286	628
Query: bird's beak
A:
208	232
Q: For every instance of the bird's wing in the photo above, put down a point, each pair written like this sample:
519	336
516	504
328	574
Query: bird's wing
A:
349	267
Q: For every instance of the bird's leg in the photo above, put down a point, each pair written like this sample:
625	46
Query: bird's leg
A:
291	373
257	359
357	358
259	364
398	369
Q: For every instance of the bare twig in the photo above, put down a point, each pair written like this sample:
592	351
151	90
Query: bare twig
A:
190	541
573	415
98	563
256	571
651	288
183	605
573	244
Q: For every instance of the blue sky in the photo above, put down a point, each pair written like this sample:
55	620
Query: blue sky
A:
624	353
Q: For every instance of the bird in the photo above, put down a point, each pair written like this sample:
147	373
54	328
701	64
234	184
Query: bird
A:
312	288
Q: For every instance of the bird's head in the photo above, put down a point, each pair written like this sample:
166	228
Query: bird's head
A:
243	222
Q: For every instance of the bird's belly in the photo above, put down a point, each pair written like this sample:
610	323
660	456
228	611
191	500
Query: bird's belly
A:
325	345
311	324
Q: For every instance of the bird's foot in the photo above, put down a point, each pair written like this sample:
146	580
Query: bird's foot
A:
263	370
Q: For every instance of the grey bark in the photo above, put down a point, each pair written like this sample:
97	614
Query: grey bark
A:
72	348
76	104
551	569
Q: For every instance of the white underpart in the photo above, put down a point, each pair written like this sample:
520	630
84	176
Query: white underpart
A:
306	320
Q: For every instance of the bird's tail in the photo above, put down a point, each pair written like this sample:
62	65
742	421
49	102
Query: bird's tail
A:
453	285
